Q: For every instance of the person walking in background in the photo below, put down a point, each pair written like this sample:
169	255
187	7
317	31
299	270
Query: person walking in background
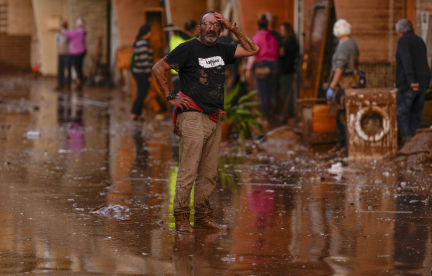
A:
141	68
264	67
412	79
344	64
62	44
288	52
77	50
201	66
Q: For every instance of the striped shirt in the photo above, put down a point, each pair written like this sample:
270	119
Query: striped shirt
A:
143	57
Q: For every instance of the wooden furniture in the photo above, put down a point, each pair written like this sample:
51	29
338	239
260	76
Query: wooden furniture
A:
318	127
318	51
371	123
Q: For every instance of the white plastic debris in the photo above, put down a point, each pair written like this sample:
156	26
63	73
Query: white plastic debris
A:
336	168
113	211
33	134
228	259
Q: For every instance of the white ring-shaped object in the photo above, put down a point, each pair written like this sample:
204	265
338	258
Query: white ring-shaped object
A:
385	123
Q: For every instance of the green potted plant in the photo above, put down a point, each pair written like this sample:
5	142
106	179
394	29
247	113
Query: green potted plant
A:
241	115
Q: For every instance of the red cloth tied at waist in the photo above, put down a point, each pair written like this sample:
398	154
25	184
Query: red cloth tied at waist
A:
194	106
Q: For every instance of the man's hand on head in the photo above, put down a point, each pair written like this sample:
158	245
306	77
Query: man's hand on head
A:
224	22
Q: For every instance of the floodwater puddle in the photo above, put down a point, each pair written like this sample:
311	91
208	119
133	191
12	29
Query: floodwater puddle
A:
93	192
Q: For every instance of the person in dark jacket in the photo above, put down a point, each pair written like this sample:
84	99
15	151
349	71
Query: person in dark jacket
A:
412	79
288	52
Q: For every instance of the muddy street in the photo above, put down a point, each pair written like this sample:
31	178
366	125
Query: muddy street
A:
86	191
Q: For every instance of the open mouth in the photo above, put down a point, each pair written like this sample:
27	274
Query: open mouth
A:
211	35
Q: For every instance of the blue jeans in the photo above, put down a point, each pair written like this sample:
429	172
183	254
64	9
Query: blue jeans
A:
63	63
341	132
266	86
409	109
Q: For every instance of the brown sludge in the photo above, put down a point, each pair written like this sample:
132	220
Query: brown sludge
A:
84	191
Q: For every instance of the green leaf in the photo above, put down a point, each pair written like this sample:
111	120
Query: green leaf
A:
247	96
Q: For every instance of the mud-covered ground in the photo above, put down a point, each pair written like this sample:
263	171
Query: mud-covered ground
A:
85	191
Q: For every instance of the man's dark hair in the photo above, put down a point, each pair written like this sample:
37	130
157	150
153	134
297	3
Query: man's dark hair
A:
262	22
204	15
190	25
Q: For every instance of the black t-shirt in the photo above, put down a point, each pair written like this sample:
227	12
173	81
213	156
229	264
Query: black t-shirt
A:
202	71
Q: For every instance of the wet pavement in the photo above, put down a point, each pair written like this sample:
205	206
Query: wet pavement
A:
85	191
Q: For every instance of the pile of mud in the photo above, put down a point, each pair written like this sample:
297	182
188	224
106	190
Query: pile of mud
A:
418	149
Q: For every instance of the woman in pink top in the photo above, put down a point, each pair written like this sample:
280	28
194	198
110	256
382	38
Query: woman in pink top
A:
264	67
77	49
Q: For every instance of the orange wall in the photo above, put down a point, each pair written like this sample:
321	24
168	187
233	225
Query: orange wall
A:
130	18
250	9
373	26
181	12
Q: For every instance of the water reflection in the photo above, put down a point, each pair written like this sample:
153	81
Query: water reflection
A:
287	217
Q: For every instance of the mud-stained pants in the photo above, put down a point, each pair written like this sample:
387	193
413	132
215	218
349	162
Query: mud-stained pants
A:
199	146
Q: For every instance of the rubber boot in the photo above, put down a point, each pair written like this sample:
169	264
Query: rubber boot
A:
204	220
182	224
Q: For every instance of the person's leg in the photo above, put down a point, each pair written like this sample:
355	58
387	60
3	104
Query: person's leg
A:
190	126
80	65
341	128
404	101
416	111
71	62
60	71
286	82
142	89
207	175
260	87
69	71
79	62
272	88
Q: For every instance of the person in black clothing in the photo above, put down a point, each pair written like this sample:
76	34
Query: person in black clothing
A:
412	79
141	68
201	65
288	51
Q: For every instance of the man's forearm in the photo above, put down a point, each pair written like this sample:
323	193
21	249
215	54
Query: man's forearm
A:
336	77
159	74
245	40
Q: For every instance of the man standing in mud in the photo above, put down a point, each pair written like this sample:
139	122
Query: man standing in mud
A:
412	79
201	66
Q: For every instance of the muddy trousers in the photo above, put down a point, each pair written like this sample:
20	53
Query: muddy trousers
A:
199	146
410	105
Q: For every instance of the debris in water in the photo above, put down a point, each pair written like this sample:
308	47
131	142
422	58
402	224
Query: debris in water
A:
228	259
113	211
33	134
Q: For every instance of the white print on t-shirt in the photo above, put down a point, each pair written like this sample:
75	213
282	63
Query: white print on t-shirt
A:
211	62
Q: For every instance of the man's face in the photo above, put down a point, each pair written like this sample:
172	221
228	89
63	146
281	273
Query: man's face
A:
209	34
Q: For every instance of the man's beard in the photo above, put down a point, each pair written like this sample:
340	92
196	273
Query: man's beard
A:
209	37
